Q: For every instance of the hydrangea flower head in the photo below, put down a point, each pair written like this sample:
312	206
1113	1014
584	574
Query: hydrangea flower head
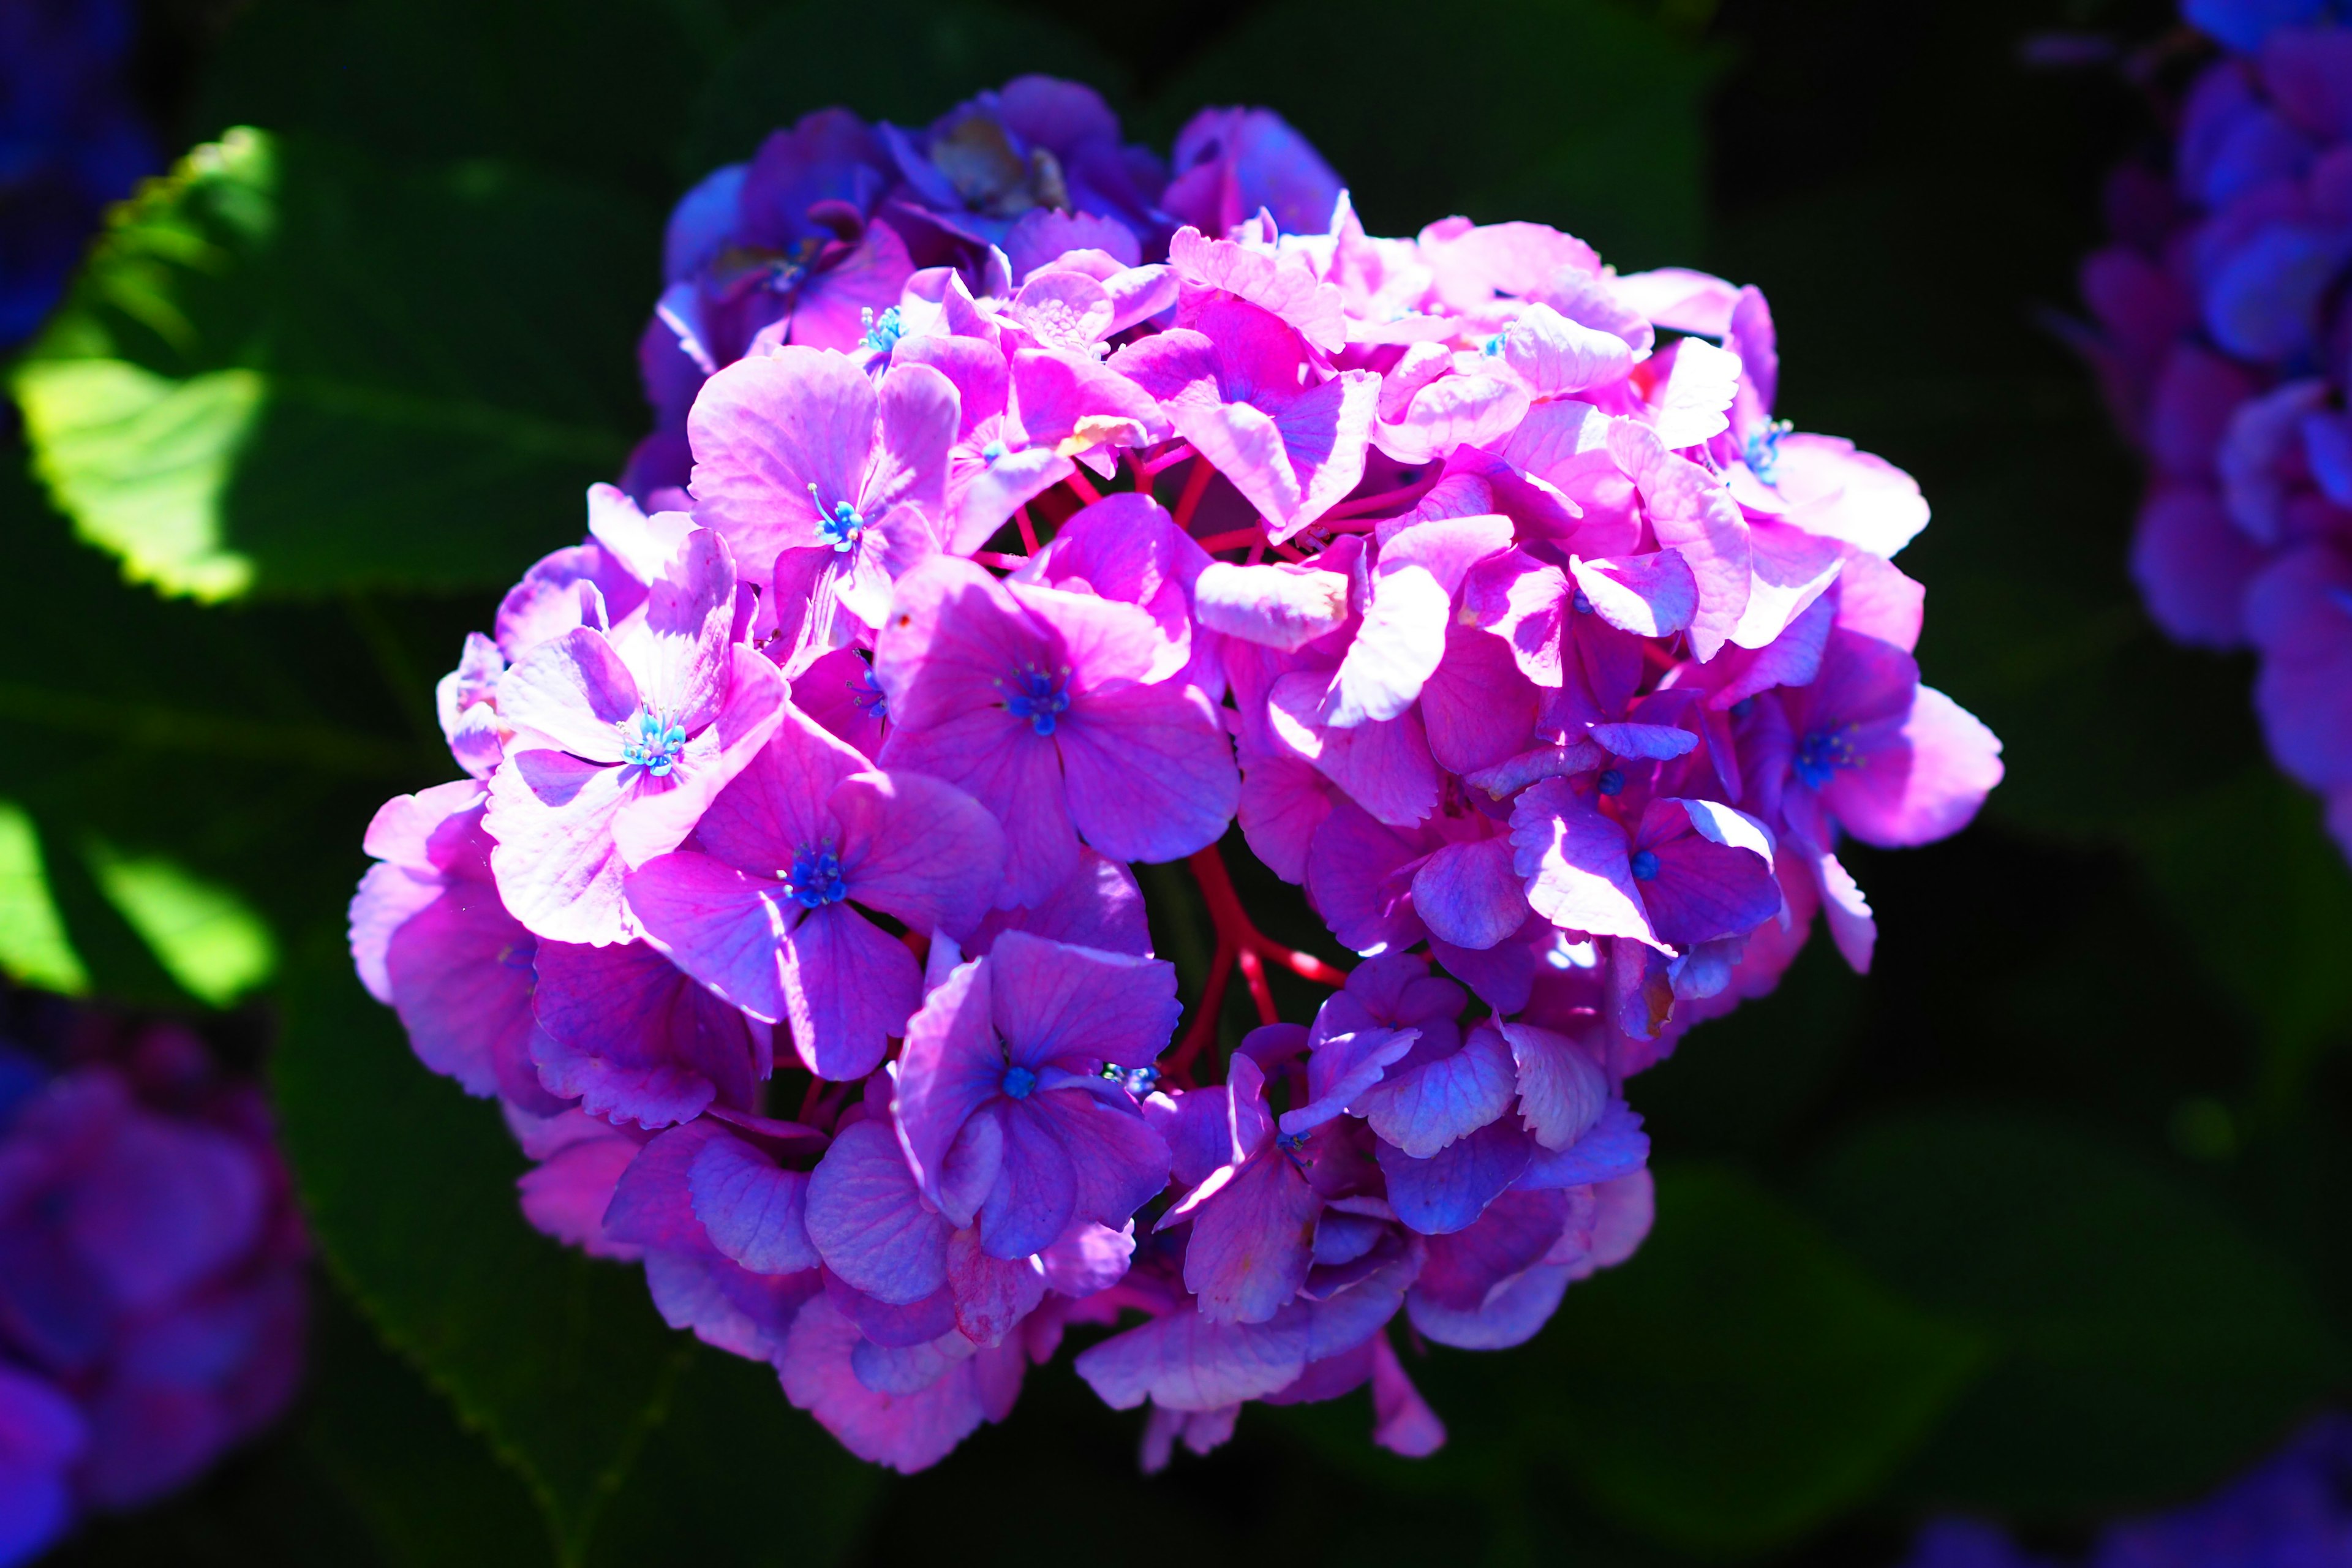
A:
2220	337
1482	588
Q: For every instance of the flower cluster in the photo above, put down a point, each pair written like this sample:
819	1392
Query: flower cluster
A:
70	144
152	1292
2223	338
1019	510
2292	1508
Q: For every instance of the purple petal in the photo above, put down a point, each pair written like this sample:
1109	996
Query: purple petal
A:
848	988
867	1220
1468	894
764	429
908	1433
1149	771
1423	1108
991	1294
720	925
1036	1187
753	1212
952	1066
1562	1090
1449	1191
1613	1146
1183	1361
1077	1008
636	1038
1253	1243
1577	864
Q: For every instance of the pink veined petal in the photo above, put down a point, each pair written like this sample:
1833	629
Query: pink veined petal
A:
1077	1008
1479	707
1791	570
1398	648
655	815
720	925
565	1196
1470	894
1852	926
1251	1244
1448	1190
766	429
1149	771
636	1040
1451	411
1017	776
1283	285
953	632
866	1218
848	987
1183	1361
920	411
753	1212
1385	767
1277	606
1834	491
1576	863
991	1294
1692	512
1424	1109
1925	787
1245	444
1650	595
1102	641
573	691
679	650
557	868
1563	1091
1325	433
1283	801
1693	405
917	849
908	1433
1555	356
776	804
458	972
1003	485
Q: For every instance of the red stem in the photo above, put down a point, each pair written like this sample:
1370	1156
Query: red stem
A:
1028	530
1167	459
1234	539
1001	560
1196	485
1240	945
1083	485
1373	503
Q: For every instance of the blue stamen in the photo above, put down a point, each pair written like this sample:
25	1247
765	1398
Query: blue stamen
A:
1743	708
866	692
844	528
1611	782
1493	347
1821	753
993	451
883	332
651	739
1644	866
1582	605
1038	698
814	880
1290	1143
1019	1082
1762	453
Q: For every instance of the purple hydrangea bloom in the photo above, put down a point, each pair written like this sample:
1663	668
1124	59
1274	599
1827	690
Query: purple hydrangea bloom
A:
1550	665
152	1291
2289	1509
2220	334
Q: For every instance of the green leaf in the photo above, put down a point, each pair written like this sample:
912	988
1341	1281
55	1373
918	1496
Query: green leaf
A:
2145	1345
33	948
207	937
633	1438
289	368
1579	113
2281	955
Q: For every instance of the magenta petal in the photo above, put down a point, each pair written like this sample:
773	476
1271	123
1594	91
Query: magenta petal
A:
1517	1229
1077	1008
1183	1361
1423	1108
907	1432
920	412
1253	1243
567	1194
753	1212
718	924
867	1221
991	1294
1386	768
1404	1423
1450	1190
1245	444
459	975
1576	862
1149	771
1562	1090
1715	881
1692	512
1511	1316
1036	1187
917	849
1650	595
655	815
573	691
776	804
848	987
636	1038
558	870
766	429
1925	787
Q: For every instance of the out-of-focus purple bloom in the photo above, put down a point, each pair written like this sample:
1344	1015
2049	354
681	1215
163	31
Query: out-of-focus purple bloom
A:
152	1295
2220	339
70	143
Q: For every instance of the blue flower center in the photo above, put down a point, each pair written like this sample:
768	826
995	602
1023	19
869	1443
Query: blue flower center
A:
1611	782
1821	753
1583	605
1291	1144
1743	708
883	332
1019	1082
993	451
1762	453
1644	866
866	692
1493	347
1037	697
1136	1082
844	525
652	740
814	880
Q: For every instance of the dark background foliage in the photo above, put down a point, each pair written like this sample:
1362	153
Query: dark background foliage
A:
2044	1220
